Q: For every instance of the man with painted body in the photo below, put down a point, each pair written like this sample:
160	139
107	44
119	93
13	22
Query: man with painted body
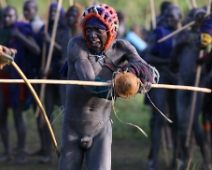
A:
94	56
185	56
158	54
18	35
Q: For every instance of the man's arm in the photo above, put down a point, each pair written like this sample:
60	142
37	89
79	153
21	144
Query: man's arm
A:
78	55
28	41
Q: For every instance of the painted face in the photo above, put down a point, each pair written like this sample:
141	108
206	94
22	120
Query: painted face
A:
96	36
71	18
172	18
9	17
29	11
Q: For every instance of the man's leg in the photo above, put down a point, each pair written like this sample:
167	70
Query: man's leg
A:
71	154
198	132
159	100
183	104
21	133
3	128
98	156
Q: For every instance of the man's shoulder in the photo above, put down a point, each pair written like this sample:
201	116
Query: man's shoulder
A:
120	43
77	48
77	41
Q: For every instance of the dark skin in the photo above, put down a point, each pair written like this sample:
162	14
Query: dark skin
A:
9	18
86	125
97	37
30	10
72	20
173	17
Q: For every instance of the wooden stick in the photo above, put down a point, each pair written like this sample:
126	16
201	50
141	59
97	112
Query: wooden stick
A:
39	104
45	32
194	3
189	4
93	83
180	29
49	58
175	32
152	7
199	68
71	2
176	2
3	3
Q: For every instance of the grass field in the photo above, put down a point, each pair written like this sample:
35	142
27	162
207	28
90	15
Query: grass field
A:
129	149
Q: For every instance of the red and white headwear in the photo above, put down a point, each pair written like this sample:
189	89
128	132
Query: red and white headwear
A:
107	15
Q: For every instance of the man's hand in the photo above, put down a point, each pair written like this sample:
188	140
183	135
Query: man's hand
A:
9	51
3	52
15	33
144	88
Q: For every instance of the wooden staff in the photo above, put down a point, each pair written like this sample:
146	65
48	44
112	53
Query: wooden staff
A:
198	74
71	2
176	2
189	4
152	7
194	3
179	30
175	32
93	83
49	58
45	32
3	3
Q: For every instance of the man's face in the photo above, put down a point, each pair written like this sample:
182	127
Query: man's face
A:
71	18
96	36
9	17
52	14
172	18
29	10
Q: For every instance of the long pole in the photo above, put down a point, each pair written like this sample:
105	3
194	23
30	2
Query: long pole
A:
152	7
71	2
49	58
93	83
189	4
179	30
194	3
45	32
3	3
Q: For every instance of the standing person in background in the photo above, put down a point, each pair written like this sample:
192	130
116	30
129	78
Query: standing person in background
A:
19	35
54	94
72	19
185	55
30	8
158	54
